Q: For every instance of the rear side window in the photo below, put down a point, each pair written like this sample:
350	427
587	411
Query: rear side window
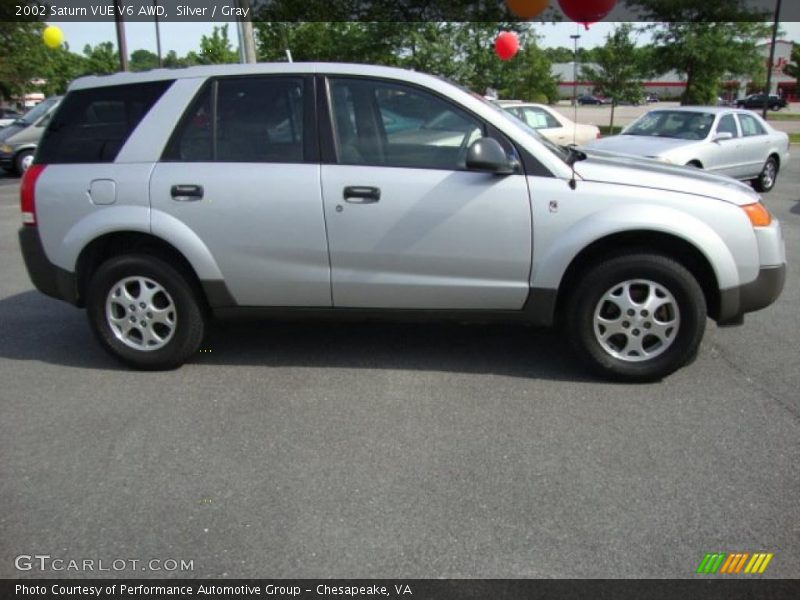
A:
91	126
750	126
243	119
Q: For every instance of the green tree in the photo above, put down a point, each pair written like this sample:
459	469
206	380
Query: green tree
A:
22	55
173	61
618	73
215	49
143	60
705	41
101	59
340	41
60	68
793	68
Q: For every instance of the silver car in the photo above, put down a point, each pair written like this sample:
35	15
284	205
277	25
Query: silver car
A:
159	200
727	141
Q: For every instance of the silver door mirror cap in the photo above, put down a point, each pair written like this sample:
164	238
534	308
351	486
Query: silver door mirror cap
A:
487	155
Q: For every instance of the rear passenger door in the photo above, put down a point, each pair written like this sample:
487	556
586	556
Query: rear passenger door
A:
755	145
408	225
242	173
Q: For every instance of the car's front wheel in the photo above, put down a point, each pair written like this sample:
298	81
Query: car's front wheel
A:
768	176
22	161
145	312
637	317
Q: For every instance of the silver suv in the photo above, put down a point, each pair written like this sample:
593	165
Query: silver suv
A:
159	199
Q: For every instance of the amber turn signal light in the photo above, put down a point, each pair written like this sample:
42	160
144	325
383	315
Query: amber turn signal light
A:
758	214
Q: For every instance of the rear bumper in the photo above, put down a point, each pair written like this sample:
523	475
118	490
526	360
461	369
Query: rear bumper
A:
48	278
757	294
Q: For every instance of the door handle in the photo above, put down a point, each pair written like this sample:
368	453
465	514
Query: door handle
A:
186	193
361	194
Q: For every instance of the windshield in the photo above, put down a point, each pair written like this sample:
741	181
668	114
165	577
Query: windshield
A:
677	124
38	111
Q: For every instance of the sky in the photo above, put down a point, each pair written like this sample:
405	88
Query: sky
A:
183	37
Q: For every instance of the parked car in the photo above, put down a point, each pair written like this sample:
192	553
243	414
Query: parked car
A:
160	199
551	123
8	116
774	101
725	141
652	98
589	99
19	139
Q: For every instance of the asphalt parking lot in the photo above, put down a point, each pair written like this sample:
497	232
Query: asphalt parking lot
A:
375	450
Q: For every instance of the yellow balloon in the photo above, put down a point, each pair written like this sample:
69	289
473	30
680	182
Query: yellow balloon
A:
52	36
527	9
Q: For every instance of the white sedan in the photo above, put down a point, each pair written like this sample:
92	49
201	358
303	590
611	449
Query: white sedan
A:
550	123
727	141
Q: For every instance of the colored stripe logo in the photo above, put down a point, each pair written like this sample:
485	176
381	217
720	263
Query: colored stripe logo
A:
734	563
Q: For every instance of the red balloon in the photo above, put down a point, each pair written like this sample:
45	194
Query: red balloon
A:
506	45
587	12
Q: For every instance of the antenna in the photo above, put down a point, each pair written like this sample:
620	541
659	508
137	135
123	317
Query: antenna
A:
572	182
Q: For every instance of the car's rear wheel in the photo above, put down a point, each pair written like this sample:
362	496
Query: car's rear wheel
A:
768	177
637	317
145	312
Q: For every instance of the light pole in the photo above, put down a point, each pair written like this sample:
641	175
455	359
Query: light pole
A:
575	37
771	62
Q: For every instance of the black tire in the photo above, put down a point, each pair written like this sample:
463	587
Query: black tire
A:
766	181
694	164
188	317
19	160
585	298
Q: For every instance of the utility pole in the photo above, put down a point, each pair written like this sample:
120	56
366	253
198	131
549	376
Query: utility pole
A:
771	63
248	48
122	47
158	35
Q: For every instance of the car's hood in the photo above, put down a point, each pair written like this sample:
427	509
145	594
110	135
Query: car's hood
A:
9	131
646	173
640	145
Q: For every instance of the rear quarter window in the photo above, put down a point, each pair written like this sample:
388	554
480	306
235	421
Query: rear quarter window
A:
91	126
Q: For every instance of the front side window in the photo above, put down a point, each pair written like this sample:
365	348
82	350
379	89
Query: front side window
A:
92	125
393	125
750	126
242	119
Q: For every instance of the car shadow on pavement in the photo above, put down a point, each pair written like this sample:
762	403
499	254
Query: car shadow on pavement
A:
34	327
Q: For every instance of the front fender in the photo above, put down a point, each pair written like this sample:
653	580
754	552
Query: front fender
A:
549	267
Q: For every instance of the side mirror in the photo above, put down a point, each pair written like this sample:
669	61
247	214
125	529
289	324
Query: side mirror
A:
722	136
487	155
